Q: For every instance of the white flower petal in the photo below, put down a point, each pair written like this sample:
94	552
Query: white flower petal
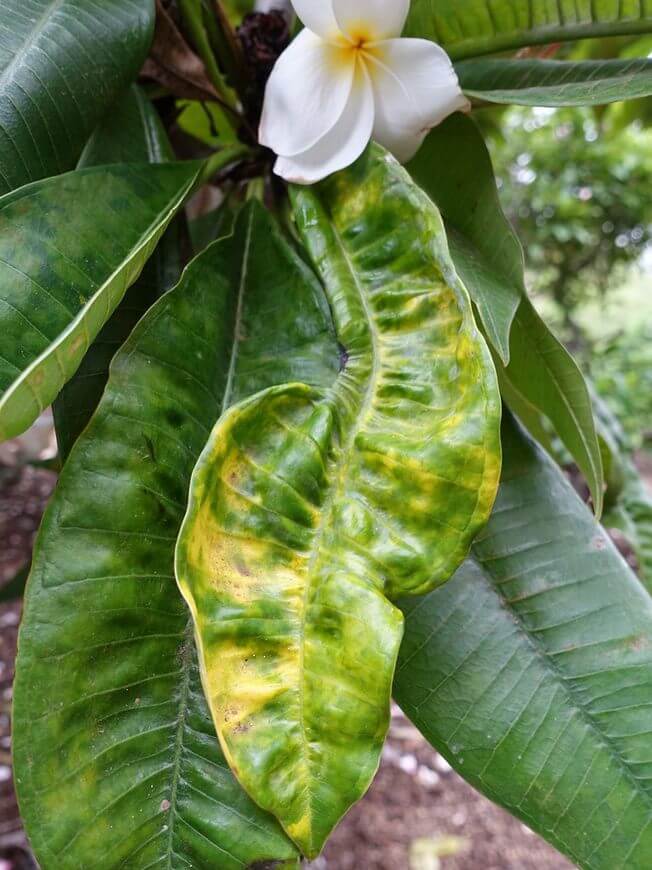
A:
318	16
342	145
306	94
371	20
415	88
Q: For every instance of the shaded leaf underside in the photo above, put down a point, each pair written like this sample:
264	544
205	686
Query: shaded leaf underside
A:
486	253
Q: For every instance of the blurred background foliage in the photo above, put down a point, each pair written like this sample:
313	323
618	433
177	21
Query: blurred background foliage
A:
577	184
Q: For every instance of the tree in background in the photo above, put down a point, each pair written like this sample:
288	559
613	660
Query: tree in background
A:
581	199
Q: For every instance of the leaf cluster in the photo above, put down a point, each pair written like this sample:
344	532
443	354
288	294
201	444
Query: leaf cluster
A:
287	492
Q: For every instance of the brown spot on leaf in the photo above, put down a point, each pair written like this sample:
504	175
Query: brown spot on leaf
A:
639	642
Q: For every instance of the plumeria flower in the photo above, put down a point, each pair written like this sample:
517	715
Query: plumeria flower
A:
349	77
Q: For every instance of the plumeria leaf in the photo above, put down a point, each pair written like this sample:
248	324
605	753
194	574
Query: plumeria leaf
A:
632	515
543	375
556	83
531	670
213	225
485	250
62	64
310	510
542	378
70	246
130	133
628	501
478	27
108	696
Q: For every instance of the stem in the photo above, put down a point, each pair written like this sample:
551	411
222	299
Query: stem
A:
221	159
228	49
256	189
193	16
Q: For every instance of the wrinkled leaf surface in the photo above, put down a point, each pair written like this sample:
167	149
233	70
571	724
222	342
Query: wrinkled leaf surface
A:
309	510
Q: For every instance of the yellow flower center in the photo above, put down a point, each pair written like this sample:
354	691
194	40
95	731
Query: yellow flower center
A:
359	43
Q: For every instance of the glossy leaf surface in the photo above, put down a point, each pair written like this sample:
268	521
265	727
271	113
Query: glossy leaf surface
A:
556	83
62	64
487	254
130	133
211	226
477	27
108	697
309	510
531	671
70	247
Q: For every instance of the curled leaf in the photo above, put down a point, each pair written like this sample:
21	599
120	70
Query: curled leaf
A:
311	509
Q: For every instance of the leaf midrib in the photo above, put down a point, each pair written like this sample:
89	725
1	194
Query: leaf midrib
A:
470	47
562	680
186	669
189	635
336	490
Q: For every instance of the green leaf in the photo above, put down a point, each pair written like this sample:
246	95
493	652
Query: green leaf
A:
487	255
628	500
637	502
310	509
213	225
477	27
531	671
70	247
193	13
130	133
205	122
556	83
62	64
632	514
115	752
542	377
545	377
